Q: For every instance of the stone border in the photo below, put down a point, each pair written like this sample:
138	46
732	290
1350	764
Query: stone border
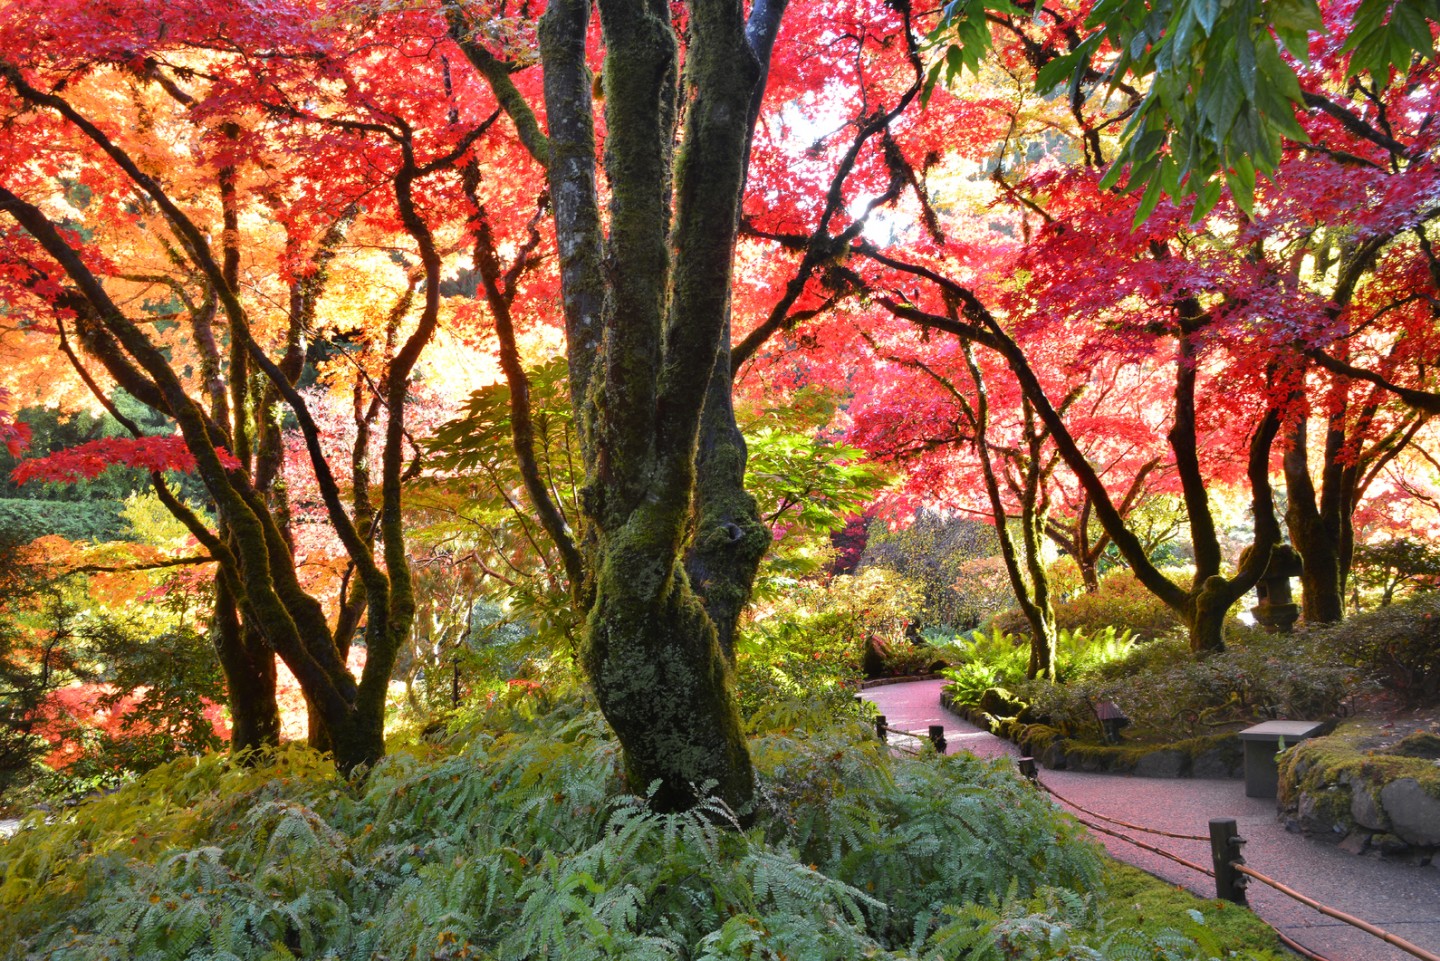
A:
1217	756
1367	801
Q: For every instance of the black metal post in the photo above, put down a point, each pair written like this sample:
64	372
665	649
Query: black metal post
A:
1028	769
1225	841
937	737
882	729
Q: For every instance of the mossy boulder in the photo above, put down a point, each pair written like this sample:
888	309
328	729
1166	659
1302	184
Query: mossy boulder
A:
1000	702
1360	781
1421	744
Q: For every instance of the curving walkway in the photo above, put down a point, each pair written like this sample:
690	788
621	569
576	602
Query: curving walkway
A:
1403	899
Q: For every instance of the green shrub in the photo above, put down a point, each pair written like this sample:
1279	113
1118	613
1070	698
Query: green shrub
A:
1122	601
783	661
998	659
1392	570
1397	646
985	660
24	520
1170	695
811	641
955	563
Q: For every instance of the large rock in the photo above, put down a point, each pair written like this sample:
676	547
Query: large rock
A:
1214	763
1366	810
1414	814
1163	763
1421	744
1325	813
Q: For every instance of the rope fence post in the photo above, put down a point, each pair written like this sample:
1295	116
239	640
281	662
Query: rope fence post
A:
1028	769
1225	842
882	729
937	737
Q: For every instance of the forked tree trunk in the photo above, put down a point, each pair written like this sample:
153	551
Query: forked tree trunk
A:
647	313
248	665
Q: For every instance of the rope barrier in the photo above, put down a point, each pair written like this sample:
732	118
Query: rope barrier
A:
1339	915
1289	942
1152	848
1124	824
1297	947
918	737
1220	863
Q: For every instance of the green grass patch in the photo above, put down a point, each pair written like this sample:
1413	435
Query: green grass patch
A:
1135	899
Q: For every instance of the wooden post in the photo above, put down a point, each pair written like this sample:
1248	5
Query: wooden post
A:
881	728
937	737
1225	844
1028	769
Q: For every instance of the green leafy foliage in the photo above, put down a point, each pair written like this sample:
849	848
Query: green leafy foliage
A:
806	488
1393	569
1397	646
471	507
1122	600
1219	80
998	659
954	561
521	843
1170	696
811	642
96	520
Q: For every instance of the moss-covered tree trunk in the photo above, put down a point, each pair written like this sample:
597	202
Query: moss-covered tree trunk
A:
728	538
670	540
1321	520
1314	520
248	666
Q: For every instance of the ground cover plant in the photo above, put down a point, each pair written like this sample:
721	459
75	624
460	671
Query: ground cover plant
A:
1396	646
516	837
1166	693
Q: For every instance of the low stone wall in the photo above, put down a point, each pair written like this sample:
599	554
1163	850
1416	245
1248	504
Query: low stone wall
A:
1370	792
1218	756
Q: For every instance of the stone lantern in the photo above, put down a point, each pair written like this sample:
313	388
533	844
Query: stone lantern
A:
1277	611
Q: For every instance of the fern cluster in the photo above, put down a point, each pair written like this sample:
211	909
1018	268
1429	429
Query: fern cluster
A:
519	840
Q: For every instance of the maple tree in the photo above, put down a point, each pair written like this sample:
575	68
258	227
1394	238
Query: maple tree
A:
971	442
1220	291
189	264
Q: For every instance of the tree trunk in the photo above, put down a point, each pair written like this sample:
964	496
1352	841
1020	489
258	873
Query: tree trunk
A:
728	537
647	321
249	668
1314	528
662	680
1322	592
1206	617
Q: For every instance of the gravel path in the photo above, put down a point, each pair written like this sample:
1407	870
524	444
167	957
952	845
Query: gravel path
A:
1403	899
